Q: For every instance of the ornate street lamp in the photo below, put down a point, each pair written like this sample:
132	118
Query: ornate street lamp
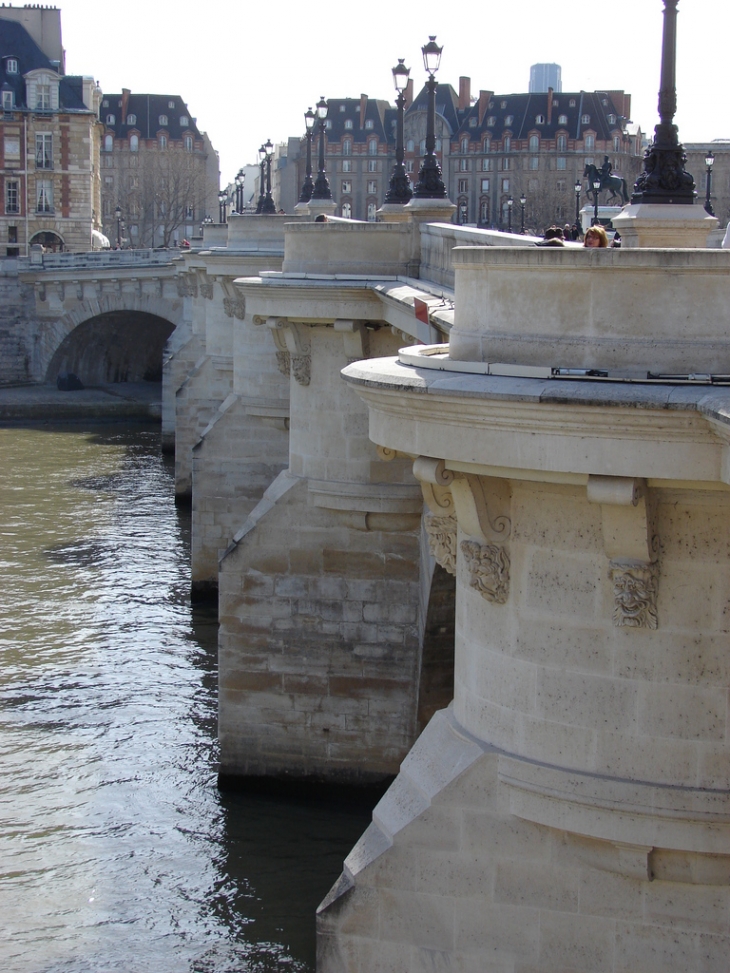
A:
709	162
222	206
308	184
400	188
262	182
118	214
664	179
523	200
510	204
268	206
596	194
430	184
240	180
321	187
578	188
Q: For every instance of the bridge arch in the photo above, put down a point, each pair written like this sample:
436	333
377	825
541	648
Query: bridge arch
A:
116	339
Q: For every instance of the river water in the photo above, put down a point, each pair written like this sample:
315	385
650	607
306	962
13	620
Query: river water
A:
117	851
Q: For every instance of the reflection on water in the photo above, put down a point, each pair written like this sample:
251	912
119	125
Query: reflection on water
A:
117	852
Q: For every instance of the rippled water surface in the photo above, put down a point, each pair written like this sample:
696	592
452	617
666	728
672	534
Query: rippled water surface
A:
117	851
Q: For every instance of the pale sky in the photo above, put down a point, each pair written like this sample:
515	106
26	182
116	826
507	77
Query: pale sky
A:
249	71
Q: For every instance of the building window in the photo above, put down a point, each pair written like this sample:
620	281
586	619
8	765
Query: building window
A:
372	186
491	121
571	103
132	182
134	230
560	185
43	97
503	104
368	123
585	119
184	121
163	142
171	104
373	147
133	160
348	123
473	122
485	185
507	143
111	119
539	119
328	124
487	146
463	210
346	147
410	145
131	119
562	119
465	146
346	186
12	196
43	151
134	143
44	195
372	165
347	211
484	211
505	185
617	143
486	165
11	66
189	212
109	182
410	167
534	145
107	161
188	143
534	162
561	163
463	186
347	165
611	119
8	100
590	143
463	165
562	143
509	119
108	143
505	164
533	185
372	212
163	121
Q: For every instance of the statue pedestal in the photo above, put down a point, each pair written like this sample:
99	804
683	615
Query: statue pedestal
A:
319	207
664	226
394	213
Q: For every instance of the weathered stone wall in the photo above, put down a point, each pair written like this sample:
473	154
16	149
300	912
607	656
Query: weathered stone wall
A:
17	316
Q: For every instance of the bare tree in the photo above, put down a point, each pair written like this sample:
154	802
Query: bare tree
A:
171	195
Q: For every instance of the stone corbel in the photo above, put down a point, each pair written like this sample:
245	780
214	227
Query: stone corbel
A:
192	281
234	303
631	546
182	286
293	347
356	338
117	283
61	289
440	519
40	292
483	512
79	290
206	284
160	282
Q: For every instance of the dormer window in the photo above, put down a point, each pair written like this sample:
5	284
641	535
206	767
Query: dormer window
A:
184	121
348	123
163	121
562	119
343	108
473	122
491	121
555	102
131	119
43	97
507	144
8	99
188	143
111	120
105	103
585	119
328	124
163	142
11	65
171	104
486	145
571	103
534	143
503	104
464	146
134	143
368	123
611	119
509	119
108	143
539	119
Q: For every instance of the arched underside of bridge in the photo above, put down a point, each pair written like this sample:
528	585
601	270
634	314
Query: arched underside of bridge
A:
116	346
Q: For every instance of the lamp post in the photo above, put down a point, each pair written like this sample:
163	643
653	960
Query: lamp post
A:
262	183
510	204
308	185
430	184
596	193
118	214
321	187
399	190
664	179
709	162
578	189
240	180
222	205
523	200
268	206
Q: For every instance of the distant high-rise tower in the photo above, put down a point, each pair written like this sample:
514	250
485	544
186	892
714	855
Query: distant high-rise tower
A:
545	76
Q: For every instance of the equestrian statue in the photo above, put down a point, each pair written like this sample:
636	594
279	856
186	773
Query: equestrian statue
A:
613	184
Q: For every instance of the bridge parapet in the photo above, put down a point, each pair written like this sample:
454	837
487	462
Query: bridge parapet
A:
97	259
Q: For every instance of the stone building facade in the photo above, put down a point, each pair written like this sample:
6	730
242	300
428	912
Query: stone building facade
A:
490	148
157	167
49	162
720	182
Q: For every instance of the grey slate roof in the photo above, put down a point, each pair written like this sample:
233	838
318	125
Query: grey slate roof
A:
16	42
147	109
